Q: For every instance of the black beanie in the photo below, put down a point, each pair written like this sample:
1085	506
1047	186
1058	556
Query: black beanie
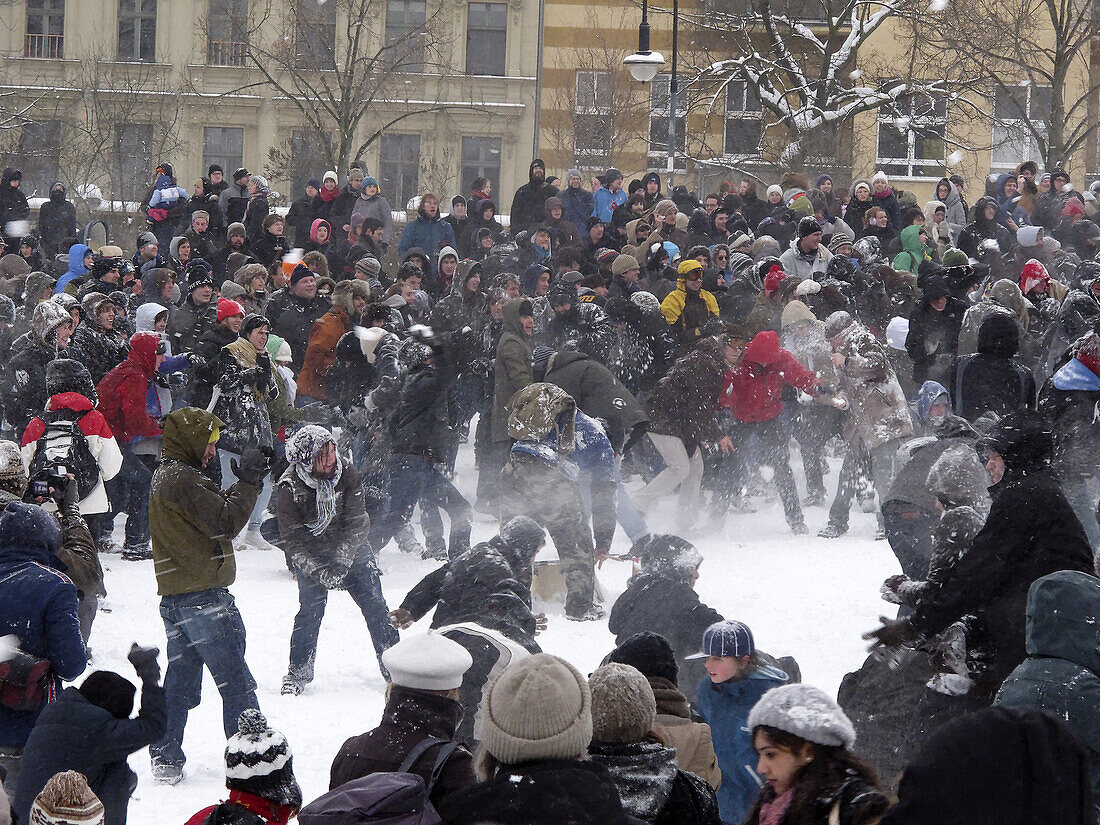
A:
808	226
109	691
67	375
650	653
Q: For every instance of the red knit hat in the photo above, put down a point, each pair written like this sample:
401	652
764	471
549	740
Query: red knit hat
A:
1072	207
1033	274
1088	352
772	279
227	309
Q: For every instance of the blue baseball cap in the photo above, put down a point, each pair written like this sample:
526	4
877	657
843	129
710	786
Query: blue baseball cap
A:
726	638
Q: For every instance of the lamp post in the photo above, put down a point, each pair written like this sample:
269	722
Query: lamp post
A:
644	64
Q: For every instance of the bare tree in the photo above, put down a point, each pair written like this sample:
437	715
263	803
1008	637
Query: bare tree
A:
796	60
350	73
1024	66
602	110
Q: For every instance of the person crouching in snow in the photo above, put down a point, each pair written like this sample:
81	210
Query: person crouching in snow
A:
752	394
734	683
259	773
804	742
540	481
323	526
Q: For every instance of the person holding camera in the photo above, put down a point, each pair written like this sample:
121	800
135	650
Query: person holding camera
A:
89	730
192	522
39	629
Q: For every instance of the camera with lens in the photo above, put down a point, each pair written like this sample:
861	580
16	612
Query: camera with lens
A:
54	476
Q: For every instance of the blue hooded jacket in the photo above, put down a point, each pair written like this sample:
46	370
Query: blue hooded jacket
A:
929	392
725	707
37	604
76	266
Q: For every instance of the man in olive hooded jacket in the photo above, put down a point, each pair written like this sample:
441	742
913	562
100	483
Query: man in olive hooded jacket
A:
192	523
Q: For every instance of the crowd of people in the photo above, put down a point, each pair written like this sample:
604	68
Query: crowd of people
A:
303	383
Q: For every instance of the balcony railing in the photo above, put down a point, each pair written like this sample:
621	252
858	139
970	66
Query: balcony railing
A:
226	53
48	46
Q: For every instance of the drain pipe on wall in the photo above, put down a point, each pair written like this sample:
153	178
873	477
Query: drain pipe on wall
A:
538	84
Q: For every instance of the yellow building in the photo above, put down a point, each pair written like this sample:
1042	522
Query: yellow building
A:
595	115
98	92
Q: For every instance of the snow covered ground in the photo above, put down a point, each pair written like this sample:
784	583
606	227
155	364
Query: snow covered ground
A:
802	596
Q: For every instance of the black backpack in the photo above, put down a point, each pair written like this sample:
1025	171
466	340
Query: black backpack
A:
393	798
63	444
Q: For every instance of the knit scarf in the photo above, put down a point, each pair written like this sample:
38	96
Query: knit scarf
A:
772	813
326	495
329	195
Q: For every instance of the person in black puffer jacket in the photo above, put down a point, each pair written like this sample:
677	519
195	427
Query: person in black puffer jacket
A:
56	220
933	339
993	381
660	598
96	343
652	788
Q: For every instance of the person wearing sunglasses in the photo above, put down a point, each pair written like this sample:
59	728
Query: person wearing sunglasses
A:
689	307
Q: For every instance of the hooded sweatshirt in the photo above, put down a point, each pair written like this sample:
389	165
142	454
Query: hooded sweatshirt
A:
913	252
76	266
751	390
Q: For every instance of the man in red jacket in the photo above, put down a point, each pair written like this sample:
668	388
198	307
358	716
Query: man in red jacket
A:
124	402
751	393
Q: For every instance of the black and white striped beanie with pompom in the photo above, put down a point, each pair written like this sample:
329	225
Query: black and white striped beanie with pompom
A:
258	761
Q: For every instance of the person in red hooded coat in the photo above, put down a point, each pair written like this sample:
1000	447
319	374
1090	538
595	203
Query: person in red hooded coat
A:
751	393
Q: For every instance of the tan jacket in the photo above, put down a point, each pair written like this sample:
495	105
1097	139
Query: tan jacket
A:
674	728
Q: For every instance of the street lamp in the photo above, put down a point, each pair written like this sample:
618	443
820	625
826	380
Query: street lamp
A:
644	64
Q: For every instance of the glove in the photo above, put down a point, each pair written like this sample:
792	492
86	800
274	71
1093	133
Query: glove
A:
334	577
893	633
253	467
263	363
521	237
144	660
252	376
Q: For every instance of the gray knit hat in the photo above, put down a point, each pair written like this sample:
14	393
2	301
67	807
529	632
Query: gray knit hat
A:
538	708
806	712
623	706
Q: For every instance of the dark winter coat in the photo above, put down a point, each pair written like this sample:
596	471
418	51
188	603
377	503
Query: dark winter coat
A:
25	385
684	403
652	788
993	380
191	519
268	248
665	604
459	307
598	394
855	800
585	328
1031	531
421	423
550	792
577	205
933	340
13	203
1068	402
292	319
38	604
189	323
245	377
1062	671
98	349
410	717
980	229
511	367
486	585
300	217
254	214
910	483
429	234
56	222
528	204
341	542
72	734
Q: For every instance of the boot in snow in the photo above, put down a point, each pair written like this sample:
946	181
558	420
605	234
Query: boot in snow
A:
592	614
137	552
292	685
832	531
407	542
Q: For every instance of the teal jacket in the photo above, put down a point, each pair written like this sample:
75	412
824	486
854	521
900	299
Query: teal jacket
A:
725	707
1062	670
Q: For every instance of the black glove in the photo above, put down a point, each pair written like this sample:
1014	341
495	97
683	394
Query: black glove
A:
144	660
253	467
263	362
66	495
334	577
893	633
253	376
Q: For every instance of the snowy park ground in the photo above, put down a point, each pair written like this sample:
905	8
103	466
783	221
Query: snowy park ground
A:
801	595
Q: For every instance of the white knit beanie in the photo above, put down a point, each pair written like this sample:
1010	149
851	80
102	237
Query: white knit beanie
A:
538	708
776	188
805	711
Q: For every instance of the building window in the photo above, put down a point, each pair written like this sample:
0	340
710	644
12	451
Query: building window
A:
224	146
39	155
227	32
659	117
137	30
315	34
480	159
400	165
133	160
405	34
744	120
45	35
1015	109
912	137
486	38
592	119
309	151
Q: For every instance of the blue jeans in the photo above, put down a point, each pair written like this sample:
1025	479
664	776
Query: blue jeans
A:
413	478
203	628
365	590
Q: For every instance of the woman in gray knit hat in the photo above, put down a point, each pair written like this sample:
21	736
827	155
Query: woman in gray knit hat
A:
804	742
536	723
